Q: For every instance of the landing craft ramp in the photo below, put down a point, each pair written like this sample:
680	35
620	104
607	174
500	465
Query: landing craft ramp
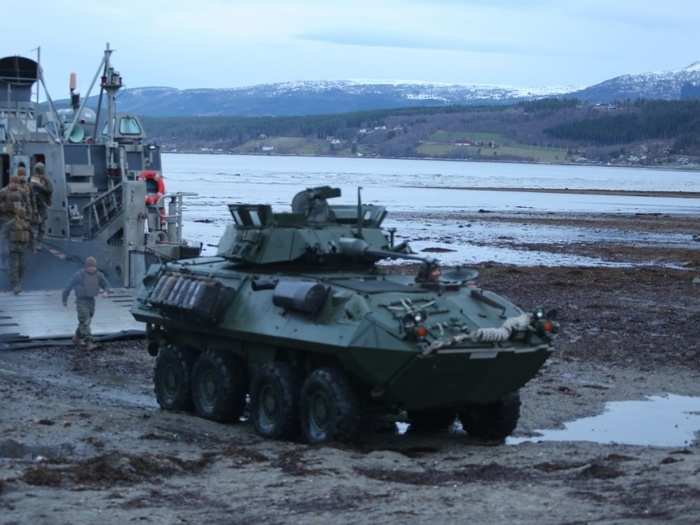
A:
36	318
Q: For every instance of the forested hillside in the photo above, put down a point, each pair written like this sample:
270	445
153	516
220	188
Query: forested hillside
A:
678	122
547	130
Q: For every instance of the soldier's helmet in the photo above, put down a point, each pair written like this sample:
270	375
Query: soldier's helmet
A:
91	264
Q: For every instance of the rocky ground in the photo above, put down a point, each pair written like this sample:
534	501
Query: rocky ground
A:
82	440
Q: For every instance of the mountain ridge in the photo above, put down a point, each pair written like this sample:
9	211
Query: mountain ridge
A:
297	98
665	85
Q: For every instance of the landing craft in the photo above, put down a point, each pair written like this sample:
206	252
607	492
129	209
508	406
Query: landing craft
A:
110	198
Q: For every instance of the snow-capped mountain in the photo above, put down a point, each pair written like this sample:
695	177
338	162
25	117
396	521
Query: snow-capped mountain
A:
323	97
316	97
669	85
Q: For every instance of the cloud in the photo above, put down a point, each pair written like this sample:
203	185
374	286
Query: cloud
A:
407	41
423	41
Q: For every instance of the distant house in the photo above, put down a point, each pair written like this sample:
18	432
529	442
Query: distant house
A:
267	148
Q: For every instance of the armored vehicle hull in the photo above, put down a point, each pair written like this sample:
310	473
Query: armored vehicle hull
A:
322	346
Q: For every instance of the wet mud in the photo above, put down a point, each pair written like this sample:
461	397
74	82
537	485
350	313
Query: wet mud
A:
82	440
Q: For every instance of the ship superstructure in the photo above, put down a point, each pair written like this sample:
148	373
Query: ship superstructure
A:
109	197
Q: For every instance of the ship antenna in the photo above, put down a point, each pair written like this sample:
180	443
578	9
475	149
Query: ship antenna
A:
102	90
105	58
38	62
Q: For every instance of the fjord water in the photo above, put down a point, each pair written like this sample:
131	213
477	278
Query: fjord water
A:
422	187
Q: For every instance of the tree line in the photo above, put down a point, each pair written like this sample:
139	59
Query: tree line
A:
642	120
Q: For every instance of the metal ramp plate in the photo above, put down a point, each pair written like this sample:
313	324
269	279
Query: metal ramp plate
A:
39	315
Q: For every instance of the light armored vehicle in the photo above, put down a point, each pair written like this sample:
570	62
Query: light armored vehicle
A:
295	314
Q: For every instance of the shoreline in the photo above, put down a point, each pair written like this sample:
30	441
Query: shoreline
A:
572	191
443	159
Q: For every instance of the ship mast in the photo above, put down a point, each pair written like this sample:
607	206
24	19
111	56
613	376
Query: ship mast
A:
111	84
76	117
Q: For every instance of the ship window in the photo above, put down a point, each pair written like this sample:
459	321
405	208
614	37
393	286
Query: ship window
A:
4	170
237	218
255	218
3	135
129	126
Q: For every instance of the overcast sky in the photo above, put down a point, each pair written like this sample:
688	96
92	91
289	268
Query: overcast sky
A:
226	43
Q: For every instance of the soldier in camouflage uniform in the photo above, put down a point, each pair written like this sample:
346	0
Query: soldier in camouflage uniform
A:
87	284
42	190
16	212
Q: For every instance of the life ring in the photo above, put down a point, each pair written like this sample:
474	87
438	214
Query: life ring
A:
153	198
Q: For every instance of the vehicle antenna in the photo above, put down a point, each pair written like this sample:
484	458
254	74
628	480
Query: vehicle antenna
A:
359	211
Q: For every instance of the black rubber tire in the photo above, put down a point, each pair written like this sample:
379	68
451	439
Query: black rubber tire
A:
274	401
493	421
329	408
219	386
172	378
431	420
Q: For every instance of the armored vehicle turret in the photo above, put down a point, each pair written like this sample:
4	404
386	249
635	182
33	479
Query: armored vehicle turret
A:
296	312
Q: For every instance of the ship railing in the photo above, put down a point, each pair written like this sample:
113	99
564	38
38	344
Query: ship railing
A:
102	210
174	204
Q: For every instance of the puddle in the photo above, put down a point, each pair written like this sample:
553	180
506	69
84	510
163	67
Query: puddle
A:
658	421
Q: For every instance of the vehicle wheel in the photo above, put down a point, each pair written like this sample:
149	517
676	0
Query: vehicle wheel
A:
431	420
219	386
493	421
274	401
329	408
172	378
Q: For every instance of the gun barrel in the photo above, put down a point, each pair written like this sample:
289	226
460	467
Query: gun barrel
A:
385	254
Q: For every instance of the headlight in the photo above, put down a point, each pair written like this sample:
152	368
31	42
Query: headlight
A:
413	327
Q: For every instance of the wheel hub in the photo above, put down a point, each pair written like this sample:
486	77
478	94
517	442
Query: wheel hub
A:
269	401
170	380
319	412
209	388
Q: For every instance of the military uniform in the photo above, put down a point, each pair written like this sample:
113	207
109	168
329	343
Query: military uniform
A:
15	210
87	284
41	190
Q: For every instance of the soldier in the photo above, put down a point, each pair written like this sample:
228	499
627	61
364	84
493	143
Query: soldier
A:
15	209
31	214
87	284
42	190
